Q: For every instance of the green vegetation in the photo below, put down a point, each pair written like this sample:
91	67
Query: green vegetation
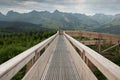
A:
20	27
20	74
99	75
14	43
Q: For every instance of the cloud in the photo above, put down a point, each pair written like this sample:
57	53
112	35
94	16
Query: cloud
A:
107	7
79	6
58	2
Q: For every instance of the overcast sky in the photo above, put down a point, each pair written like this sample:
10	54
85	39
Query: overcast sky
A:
88	7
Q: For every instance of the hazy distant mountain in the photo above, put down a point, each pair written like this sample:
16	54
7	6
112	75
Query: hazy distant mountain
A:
2	17
102	19
53	20
116	20
113	29
111	24
63	20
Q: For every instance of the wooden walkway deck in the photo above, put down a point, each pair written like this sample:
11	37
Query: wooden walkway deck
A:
60	57
61	65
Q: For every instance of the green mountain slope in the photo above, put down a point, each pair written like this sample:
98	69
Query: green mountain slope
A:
20	27
112	29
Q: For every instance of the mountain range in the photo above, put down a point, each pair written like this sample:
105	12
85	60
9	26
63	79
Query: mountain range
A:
63	20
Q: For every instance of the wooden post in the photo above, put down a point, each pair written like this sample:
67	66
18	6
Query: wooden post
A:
29	65
118	48
80	33
32	61
86	60
80	53
59	30
36	56
46	47
99	46
99	43
83	55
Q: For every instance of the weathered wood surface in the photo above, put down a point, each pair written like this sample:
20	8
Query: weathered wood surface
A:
61	66
110	48
83	70
92	42
11	67
114	39
36	72
108	68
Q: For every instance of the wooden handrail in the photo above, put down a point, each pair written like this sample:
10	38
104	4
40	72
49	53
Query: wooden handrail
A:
83	70
108	68
12	66
107	37
36	72
91	42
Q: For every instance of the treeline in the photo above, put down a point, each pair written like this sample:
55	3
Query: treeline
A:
15	43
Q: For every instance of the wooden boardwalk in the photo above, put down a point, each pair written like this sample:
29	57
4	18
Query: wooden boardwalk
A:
61	57
61	65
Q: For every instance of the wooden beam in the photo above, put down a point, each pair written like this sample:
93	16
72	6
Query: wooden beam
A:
109	48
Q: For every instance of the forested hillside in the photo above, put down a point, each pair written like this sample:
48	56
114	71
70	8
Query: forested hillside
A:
8	27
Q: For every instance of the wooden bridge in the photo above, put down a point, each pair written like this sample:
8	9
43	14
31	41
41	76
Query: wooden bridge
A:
61	57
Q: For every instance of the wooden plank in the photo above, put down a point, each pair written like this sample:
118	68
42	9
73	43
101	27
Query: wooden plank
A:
39	67
91	42
83	70
109	48
61	66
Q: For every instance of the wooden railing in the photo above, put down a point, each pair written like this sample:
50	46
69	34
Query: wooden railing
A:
114	39
83	70
28	58
92	42
108	68
38	70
